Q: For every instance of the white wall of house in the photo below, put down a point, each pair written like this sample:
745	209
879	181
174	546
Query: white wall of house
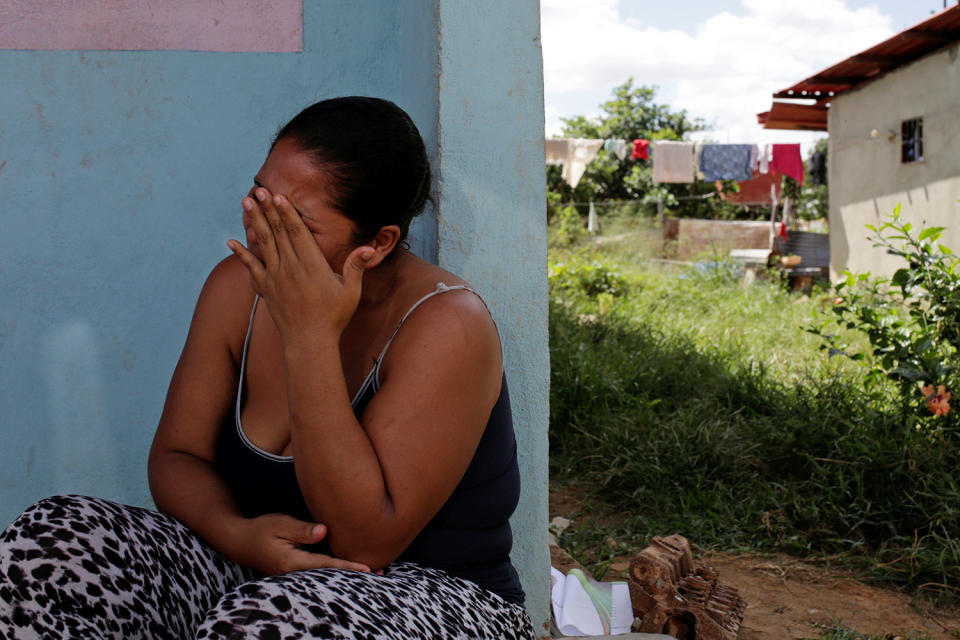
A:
867	178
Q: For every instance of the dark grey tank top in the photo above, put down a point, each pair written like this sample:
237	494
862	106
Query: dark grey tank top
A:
470	537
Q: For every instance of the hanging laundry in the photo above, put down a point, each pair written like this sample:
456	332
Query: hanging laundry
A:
579	154
573	154
756	191
818	168
754	158
763	162
725	162
786	160
641	149
617	147
672	161
556	150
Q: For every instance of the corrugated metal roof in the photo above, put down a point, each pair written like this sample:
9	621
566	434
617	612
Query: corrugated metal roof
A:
790	115
933	33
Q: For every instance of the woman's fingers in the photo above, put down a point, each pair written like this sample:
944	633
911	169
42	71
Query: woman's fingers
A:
278	227
307	560
297	233
263	232
337	563
251	262
353	268
303	533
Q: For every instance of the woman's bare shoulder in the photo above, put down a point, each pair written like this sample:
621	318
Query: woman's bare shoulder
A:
228	281
225	301
454	322
228	277
422	277
463	301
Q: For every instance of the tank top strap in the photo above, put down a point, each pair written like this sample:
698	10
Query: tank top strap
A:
243	358
441	288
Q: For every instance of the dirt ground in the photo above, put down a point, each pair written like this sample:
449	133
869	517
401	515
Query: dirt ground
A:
787	597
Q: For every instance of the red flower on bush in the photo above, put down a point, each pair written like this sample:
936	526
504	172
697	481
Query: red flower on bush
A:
938	402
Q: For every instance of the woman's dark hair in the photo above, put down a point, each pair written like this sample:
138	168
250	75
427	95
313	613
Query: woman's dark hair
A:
372	154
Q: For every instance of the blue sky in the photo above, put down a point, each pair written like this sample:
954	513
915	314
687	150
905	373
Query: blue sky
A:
719	59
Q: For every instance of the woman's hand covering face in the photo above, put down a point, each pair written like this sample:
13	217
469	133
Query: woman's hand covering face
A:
305	295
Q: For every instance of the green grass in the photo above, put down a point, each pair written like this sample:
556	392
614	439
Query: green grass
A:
690	404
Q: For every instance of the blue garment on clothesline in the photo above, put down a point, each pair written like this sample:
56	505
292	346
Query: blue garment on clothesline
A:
725	162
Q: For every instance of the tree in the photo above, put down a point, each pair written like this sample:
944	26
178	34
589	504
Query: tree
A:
630	114
813	198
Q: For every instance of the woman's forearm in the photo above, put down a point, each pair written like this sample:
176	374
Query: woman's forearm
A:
377	484
344	484
191	490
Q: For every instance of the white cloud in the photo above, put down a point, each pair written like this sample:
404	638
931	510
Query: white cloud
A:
724	71
551	117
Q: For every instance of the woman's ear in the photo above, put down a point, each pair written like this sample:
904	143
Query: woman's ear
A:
383	243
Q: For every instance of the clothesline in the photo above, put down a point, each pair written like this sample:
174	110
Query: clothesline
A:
601	202
679	161
646	203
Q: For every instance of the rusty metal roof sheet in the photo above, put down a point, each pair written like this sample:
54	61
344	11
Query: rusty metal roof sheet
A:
790	115
933	33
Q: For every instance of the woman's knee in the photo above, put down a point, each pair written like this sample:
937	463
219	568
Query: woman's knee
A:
293	605
50	524
66	540
43	518
32	550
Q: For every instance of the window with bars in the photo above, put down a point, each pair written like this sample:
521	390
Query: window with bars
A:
911	140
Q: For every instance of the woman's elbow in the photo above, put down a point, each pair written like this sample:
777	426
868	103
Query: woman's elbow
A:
375	551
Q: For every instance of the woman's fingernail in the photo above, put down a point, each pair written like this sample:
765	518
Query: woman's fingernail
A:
261	194
247	204
278	200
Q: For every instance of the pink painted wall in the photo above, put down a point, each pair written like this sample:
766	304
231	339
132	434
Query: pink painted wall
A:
194	25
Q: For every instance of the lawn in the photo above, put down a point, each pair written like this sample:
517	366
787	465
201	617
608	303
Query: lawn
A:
684	402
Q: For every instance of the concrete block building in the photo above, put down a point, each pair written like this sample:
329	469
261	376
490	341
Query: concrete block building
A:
893	116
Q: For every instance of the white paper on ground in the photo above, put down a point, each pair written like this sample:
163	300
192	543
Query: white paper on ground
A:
584	607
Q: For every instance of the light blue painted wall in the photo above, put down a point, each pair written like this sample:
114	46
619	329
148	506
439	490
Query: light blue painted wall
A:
121	173
492	225
121	183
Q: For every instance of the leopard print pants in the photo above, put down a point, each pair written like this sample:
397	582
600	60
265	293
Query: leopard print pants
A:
78	567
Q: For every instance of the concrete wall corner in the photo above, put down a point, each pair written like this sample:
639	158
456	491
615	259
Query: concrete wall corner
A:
491	226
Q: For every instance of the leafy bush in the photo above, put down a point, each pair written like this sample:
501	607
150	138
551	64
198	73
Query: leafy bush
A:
912	321
591	278
567	227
